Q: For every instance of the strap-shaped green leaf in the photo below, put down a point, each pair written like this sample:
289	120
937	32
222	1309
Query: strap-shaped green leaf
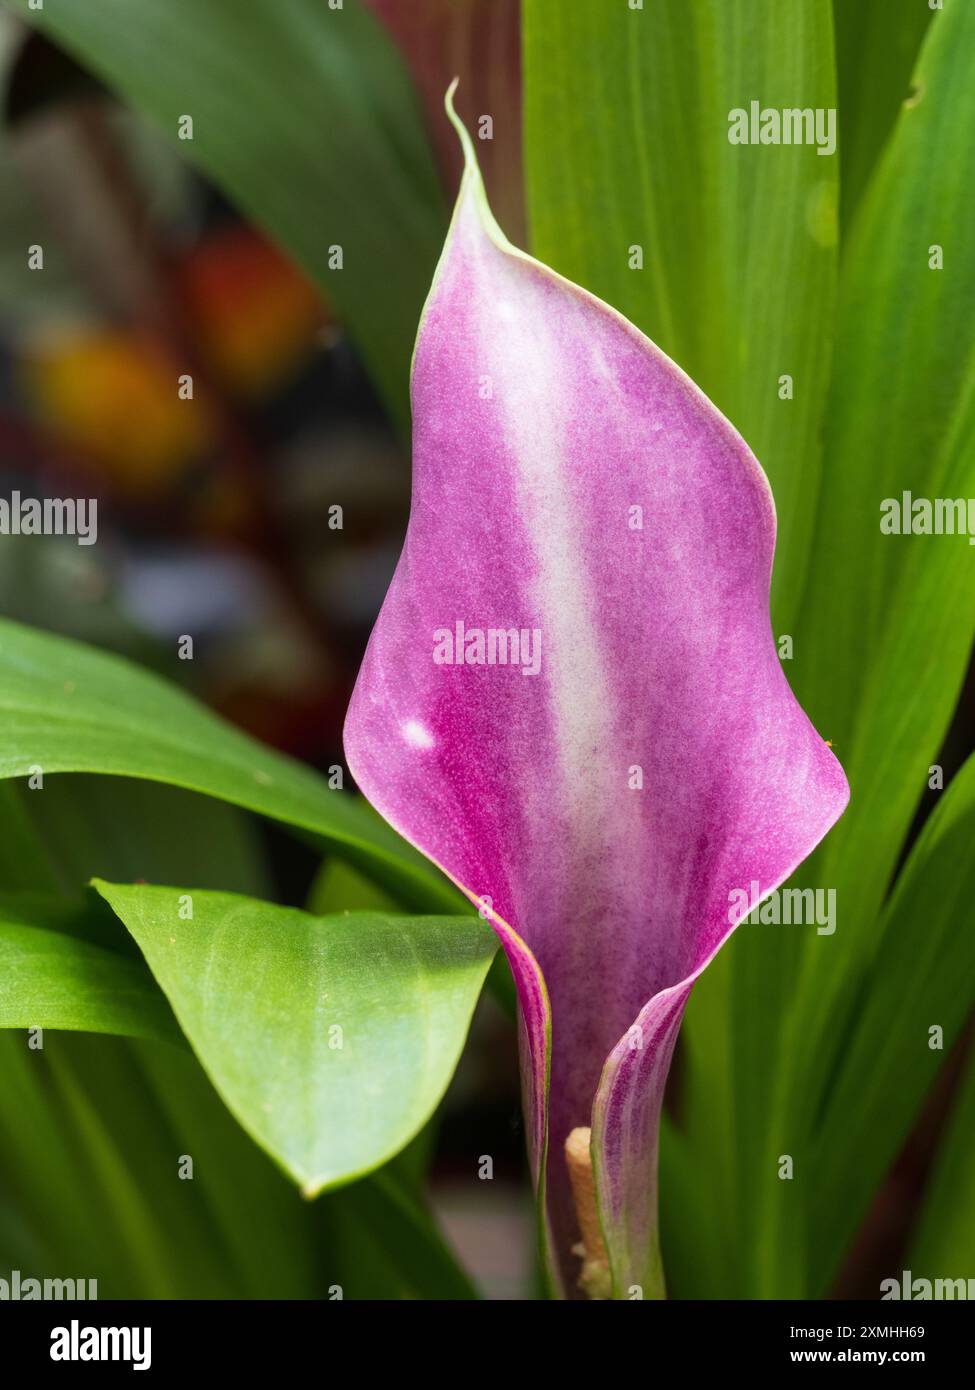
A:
126	828
331	1039
66	707
303	114
945	1235
876	48
902	419
95	1134
51	978
24	861
918	995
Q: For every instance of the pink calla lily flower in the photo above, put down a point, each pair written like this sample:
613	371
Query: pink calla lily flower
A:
572	703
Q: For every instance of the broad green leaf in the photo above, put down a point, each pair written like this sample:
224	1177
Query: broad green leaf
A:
339	888
876	48
66	707
922	978
51	979
331	1039
627	149
303	114
944	1241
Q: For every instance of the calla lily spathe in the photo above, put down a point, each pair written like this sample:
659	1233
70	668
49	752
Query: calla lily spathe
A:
572	486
